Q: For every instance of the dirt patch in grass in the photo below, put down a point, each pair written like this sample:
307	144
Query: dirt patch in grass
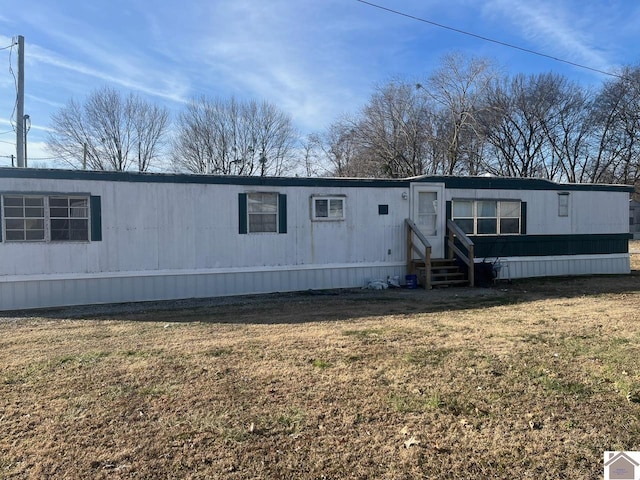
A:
533	379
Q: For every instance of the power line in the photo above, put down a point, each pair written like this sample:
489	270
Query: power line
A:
487	39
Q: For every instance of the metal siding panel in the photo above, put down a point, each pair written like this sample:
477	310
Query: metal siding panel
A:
56	292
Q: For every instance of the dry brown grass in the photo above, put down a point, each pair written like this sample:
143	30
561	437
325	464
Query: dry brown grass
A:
530	380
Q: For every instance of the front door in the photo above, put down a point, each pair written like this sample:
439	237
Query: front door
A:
428	214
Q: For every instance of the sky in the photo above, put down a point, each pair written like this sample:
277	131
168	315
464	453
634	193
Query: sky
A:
315	59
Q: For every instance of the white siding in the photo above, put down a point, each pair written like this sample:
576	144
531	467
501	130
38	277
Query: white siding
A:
164	226
176	240
563	265
596	212
36	291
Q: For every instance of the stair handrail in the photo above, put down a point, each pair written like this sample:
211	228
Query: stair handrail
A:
453	232
423	253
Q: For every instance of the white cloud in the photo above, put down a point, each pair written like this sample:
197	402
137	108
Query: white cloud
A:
289	53
172	91
43	100
556	29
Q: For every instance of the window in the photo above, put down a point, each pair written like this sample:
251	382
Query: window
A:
487	217
563	204
23	218
428	213
262	208
45	218
463	215
509	217
262	212
328	208
69	218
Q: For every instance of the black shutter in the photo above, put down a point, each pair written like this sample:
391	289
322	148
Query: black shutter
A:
96	218
242	213
523	218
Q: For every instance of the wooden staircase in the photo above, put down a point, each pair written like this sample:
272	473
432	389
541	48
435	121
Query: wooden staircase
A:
444	273
440	272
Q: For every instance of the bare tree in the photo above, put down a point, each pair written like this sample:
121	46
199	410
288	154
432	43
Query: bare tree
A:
616	118
317	159
339	150
109	132
569	131
228	137
394	131
514	126
409	129
459	88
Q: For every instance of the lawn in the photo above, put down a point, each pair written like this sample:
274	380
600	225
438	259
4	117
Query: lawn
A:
534	379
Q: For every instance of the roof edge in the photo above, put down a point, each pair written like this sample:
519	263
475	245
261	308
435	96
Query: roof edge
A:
469	182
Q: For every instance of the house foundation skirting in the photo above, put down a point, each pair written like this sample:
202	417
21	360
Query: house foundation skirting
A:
20	292
561	265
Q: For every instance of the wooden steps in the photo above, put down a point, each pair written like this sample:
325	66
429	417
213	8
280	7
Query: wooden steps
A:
444	273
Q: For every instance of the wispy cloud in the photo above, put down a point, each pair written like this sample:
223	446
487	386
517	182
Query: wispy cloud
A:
172	92
291	53
46	101
557	30
102	58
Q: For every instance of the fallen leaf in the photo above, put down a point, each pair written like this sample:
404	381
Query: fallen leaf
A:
405	430
410	442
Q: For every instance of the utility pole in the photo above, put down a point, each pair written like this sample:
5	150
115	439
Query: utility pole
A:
20	105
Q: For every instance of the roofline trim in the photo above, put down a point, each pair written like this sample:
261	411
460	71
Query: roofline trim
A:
451	182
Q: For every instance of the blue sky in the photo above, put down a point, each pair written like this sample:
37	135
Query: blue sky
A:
315	59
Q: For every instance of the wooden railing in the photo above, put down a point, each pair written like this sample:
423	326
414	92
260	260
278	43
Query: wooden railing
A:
423	250
453	232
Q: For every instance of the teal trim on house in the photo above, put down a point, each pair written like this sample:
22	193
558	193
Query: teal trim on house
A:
242	213
501	183
486	183
137	177
547	245
95	204
282	213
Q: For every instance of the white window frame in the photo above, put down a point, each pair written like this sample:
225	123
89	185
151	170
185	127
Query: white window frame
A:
563	204
250	213
329	199
498	216
47	217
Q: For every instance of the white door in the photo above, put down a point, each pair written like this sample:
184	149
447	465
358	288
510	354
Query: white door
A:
428	214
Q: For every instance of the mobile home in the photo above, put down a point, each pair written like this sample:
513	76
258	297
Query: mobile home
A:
85	237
